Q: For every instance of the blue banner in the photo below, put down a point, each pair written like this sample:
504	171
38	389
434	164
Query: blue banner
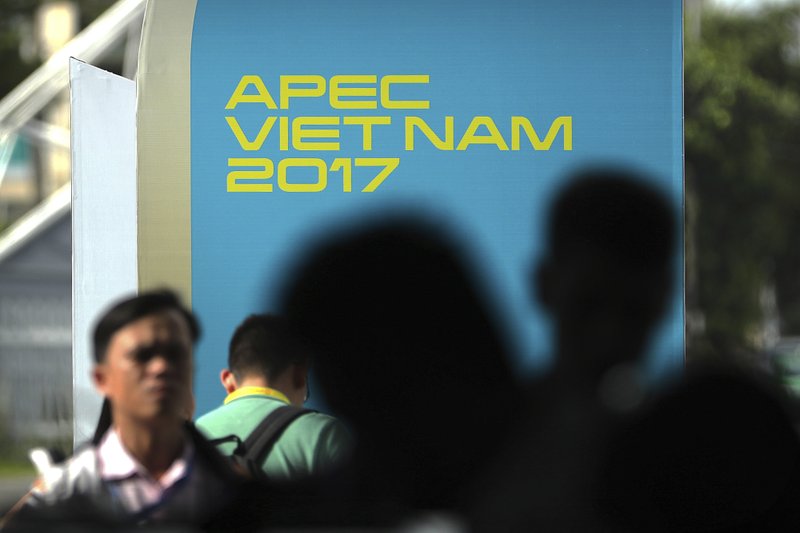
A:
308	114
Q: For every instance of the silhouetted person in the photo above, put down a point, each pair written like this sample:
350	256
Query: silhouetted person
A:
607	273
605	279
718	452
408	355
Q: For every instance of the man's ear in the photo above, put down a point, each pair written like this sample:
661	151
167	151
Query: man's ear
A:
228	380
99	378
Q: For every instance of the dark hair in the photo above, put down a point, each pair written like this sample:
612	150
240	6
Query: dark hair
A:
133	308
616	212
263	345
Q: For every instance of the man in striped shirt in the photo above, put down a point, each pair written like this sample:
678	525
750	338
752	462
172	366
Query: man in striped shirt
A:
150	465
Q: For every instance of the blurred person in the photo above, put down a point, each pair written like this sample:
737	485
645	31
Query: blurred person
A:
608	272
717	451
408	353
104	419
605	279
149	466
268	370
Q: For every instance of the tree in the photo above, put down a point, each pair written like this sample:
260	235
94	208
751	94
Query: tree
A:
742	125
16	25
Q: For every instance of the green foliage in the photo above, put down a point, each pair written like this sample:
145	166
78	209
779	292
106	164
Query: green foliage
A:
13	15
742	126
16	20
16	469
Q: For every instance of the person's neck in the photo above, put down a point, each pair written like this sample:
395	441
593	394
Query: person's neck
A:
587	369
575	363
281	385
154	445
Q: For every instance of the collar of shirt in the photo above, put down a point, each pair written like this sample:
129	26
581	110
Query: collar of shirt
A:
256	391
117	464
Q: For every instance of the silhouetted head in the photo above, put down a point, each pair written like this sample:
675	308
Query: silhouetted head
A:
405	347
607	272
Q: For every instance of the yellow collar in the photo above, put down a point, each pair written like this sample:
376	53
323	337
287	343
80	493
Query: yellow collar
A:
256	391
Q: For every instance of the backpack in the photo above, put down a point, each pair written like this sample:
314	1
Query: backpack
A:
250	454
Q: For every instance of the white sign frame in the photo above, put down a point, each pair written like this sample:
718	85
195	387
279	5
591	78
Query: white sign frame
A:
104	218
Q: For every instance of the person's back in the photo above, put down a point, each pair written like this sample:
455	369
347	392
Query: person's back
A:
268	370
716	451
313	443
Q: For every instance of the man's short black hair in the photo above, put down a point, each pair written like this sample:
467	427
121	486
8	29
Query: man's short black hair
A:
132	309
262	345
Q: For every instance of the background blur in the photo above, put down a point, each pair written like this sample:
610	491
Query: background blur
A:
742	135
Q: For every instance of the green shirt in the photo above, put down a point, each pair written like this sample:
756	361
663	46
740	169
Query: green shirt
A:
310	444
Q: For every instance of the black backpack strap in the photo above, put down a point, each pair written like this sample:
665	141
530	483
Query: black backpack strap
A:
259	443
238	450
